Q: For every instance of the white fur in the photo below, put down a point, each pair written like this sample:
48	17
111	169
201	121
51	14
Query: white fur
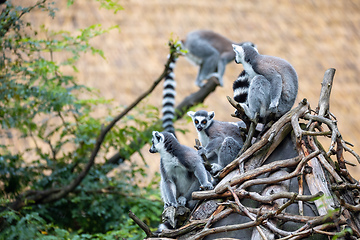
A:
204	139
193	59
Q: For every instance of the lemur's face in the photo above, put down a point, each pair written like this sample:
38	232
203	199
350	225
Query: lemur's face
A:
201	119
157	142
239	53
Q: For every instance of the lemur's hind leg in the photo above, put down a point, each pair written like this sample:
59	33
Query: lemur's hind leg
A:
227	153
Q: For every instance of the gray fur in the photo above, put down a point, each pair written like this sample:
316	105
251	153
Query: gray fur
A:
276	79
211	51
181	168
220	140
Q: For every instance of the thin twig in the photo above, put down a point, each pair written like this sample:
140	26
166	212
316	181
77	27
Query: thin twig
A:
247	213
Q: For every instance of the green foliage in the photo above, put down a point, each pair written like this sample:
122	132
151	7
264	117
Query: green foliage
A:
345	232
61	117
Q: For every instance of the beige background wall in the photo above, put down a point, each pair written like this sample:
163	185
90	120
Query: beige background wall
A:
312	35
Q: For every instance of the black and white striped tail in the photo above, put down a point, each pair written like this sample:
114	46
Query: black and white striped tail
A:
168	103
241	87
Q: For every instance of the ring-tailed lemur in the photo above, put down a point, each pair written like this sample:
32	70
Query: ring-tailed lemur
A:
181	168
221	139
273	83
211	51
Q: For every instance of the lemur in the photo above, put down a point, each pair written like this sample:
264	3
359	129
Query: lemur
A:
211	51
273	83
220	139
181	168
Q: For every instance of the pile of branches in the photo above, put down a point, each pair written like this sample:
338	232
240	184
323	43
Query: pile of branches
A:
334	191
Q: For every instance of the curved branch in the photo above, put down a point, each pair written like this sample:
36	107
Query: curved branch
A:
188	102
56	194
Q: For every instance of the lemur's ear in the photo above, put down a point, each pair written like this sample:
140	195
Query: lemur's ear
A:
157	135
237	48
211	114
191	114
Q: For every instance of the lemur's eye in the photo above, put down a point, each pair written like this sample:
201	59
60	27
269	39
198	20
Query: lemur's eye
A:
203	122
196	121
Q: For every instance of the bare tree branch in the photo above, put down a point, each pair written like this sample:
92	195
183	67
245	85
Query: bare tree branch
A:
190	101
141	224
50	195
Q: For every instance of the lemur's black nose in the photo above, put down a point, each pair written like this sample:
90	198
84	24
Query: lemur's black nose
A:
199	128
152	150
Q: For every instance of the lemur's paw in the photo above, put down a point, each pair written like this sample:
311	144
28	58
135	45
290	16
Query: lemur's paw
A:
215	168
207	186
182	201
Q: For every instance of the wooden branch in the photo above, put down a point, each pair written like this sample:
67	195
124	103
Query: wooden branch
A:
256	196
283	216
350	150
104	132
246	212
195	224
141	224
326	86
301	191
188	102
271	180
55	194
308	232
239	178
345	186
270	198
315	181
353	208
254	223
183	230
197	97
324	162
275	128
331	124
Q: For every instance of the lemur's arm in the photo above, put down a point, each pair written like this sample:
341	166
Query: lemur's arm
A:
167	187
202	175
213	147
276	88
